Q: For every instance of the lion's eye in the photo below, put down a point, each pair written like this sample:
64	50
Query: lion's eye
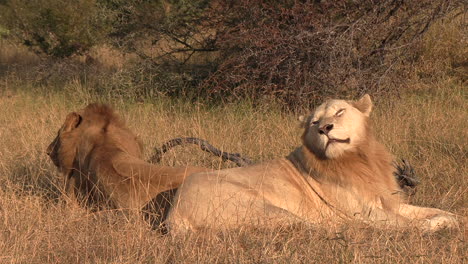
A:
340	112
315	122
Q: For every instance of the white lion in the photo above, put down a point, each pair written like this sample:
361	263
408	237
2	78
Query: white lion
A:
339	173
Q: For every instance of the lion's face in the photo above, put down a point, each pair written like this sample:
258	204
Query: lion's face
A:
62	149
337	127
53	148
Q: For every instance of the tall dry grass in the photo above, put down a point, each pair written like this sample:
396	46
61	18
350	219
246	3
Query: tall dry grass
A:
427	125
429	128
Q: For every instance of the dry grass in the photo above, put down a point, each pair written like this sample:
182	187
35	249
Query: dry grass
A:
427	126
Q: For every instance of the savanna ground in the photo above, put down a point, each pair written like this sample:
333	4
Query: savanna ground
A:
426	124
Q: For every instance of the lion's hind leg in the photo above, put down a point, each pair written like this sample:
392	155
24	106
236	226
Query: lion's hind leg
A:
155	212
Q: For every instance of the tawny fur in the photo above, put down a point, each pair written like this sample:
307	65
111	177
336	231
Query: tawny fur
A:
101	161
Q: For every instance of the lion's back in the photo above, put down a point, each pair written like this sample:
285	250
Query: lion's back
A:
264	192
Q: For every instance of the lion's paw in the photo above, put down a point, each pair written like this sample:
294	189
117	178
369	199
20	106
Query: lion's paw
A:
440	221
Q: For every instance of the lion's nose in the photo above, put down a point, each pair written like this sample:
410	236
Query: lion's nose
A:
48	151
325	129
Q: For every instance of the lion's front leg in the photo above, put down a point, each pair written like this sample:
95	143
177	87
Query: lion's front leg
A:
379	217
70	190
432	219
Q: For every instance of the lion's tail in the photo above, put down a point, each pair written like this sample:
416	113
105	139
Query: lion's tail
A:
204	145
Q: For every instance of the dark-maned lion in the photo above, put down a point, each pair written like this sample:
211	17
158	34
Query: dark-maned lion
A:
100	159
340	172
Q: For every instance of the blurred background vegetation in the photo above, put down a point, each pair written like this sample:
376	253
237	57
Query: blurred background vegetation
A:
228	71
293	53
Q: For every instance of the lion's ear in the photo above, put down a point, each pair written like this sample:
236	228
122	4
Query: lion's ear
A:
72	121
364	104
303	121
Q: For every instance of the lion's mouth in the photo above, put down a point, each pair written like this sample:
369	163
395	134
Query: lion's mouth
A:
337	140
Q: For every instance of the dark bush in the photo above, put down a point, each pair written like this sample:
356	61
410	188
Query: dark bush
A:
302	52
294	52
59	28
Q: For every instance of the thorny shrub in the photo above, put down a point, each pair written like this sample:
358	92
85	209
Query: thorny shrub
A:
307	50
